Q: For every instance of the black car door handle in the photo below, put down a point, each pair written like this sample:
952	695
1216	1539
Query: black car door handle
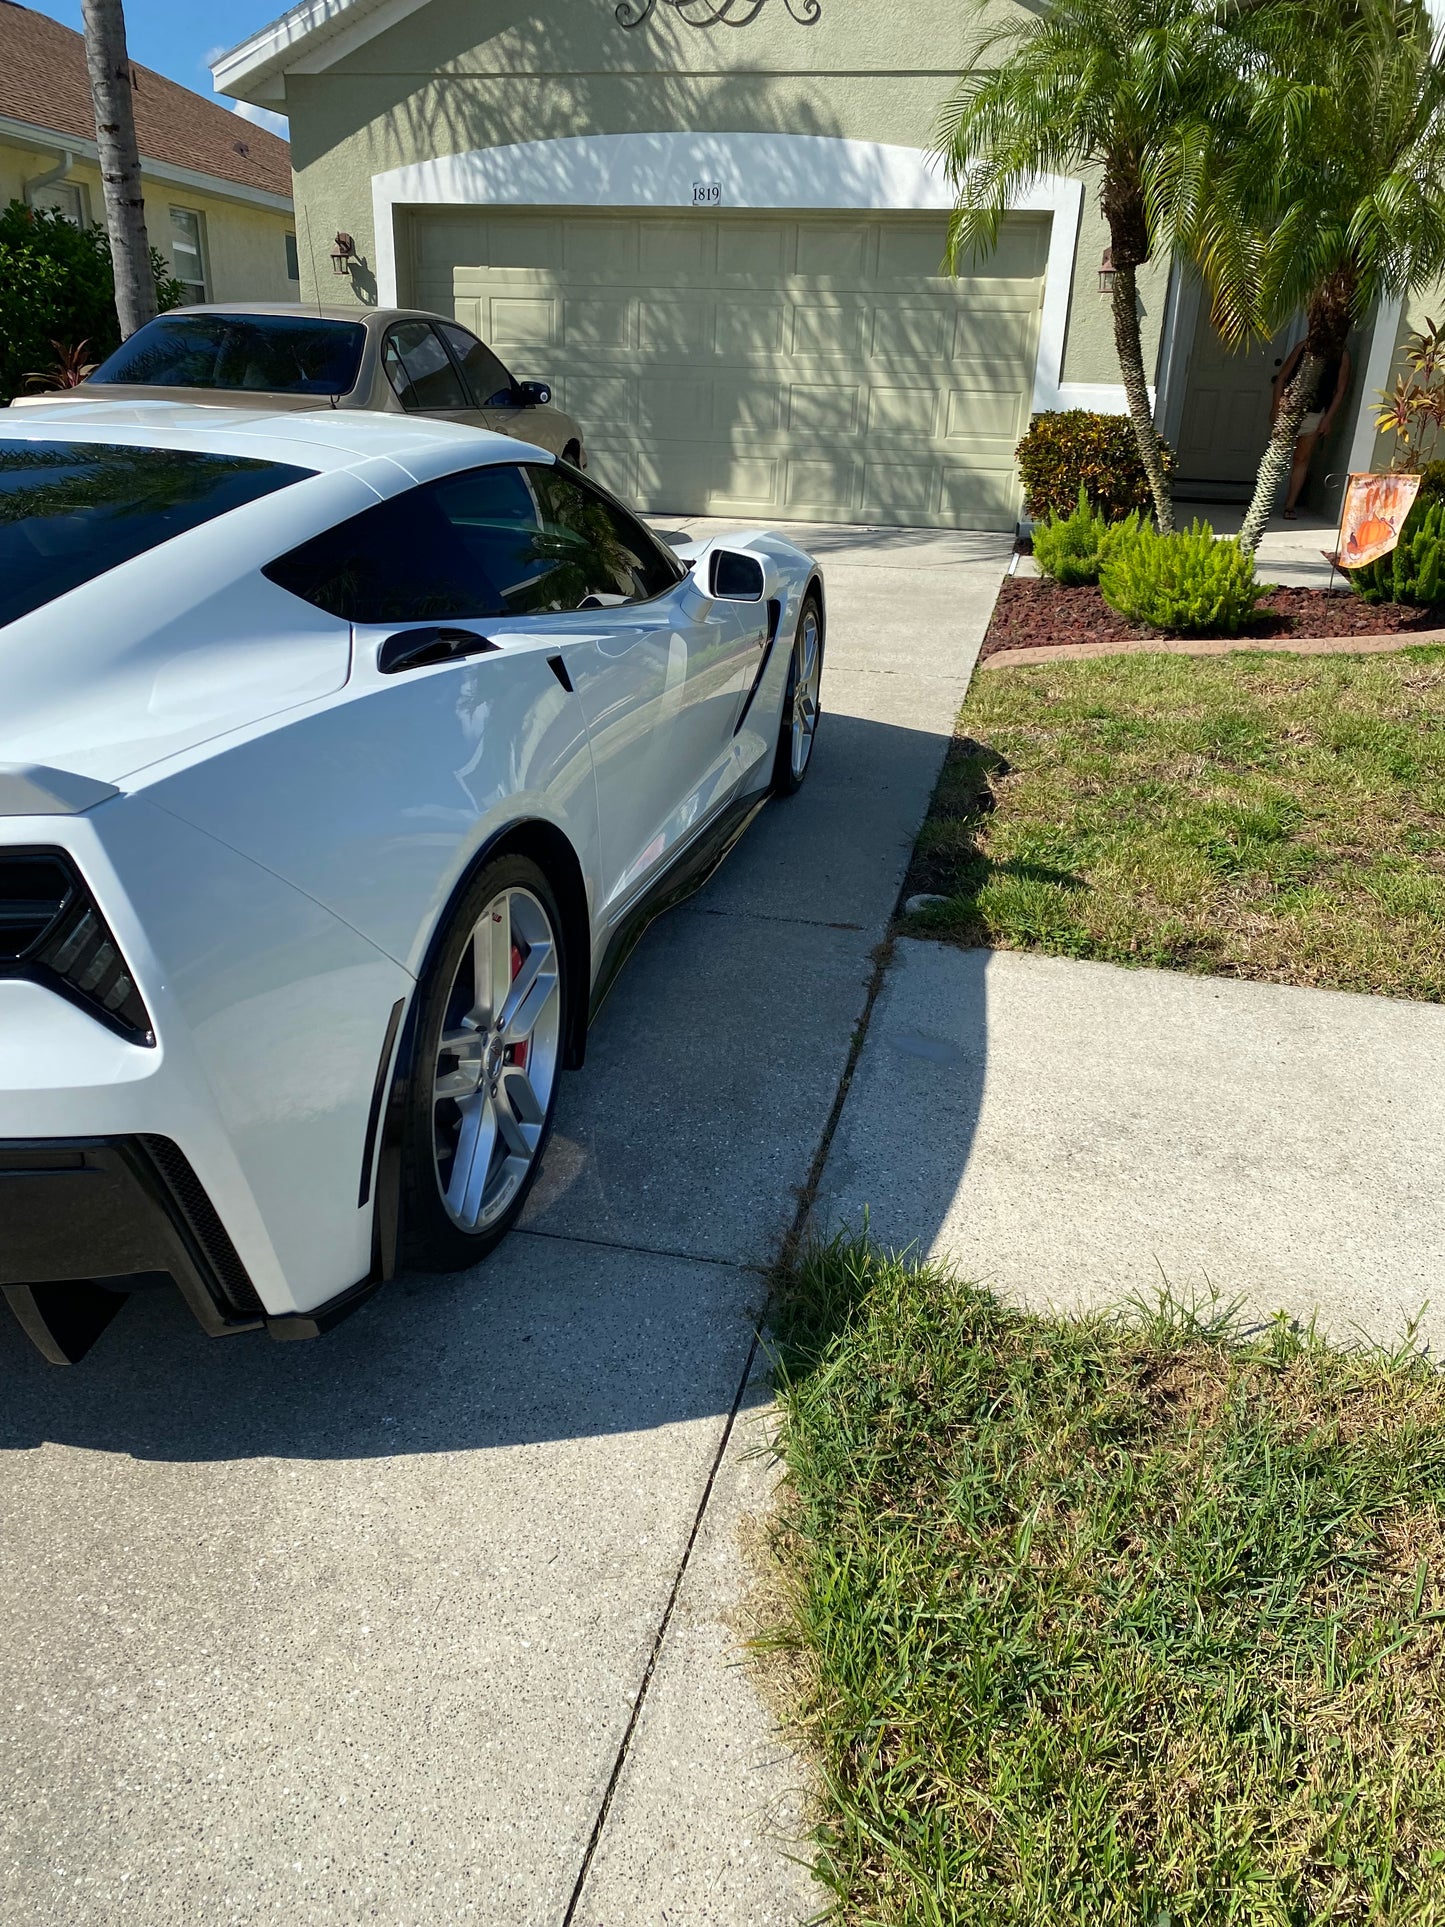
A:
420	648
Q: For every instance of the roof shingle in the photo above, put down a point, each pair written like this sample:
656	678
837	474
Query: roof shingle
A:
43	82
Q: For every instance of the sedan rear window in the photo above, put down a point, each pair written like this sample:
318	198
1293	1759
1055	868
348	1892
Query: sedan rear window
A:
261	353
71	510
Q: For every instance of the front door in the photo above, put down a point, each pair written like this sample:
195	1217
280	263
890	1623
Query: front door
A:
1225	423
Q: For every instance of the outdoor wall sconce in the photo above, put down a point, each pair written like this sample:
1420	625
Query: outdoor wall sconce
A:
343	253
1106	272
715	13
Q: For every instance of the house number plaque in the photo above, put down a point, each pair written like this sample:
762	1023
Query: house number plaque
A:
715	13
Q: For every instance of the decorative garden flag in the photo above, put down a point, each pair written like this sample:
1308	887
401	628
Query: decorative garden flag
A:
1373	515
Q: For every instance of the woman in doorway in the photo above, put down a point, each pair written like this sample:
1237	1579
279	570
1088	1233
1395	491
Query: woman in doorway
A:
1329	397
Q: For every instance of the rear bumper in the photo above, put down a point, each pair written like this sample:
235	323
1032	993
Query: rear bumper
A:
85	1220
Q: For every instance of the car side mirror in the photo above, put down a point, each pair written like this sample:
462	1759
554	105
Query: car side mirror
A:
734	578
531	394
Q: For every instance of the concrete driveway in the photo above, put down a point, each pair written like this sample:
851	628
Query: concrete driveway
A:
433	1621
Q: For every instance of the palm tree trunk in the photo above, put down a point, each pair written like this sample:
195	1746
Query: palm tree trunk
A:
1274	465
108	64
1130	349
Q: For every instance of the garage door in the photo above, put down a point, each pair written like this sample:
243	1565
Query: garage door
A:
819	369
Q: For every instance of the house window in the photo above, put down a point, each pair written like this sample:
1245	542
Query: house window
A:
65	199
188	256
293	264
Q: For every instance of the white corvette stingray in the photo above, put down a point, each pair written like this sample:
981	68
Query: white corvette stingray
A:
342	760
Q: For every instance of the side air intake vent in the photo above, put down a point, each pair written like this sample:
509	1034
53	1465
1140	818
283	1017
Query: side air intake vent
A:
34	889
52	932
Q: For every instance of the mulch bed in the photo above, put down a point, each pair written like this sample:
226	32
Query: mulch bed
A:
1034	613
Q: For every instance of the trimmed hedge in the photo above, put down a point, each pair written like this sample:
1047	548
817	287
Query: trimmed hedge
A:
1071	448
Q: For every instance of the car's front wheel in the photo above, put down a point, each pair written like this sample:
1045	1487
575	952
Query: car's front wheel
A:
488	1051
801	701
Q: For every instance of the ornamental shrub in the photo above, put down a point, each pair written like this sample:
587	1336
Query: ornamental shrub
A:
1414	570
1069	449
1187	583
1072	548
56	285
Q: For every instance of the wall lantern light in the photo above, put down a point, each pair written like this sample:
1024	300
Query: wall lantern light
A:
1106	272
343	253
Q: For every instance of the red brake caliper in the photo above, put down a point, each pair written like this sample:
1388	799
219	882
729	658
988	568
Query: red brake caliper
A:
517	1053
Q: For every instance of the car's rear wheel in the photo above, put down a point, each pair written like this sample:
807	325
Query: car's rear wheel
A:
489	1049
801	702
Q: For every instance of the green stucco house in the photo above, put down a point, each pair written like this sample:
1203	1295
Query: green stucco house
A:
715	227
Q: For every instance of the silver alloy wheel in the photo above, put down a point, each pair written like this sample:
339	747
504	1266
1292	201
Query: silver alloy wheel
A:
497	1061
807	667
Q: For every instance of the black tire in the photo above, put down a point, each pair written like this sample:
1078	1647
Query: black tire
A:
788	779
431	1238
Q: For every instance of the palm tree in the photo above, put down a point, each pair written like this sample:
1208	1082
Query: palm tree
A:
1118	88
1329	192
111	83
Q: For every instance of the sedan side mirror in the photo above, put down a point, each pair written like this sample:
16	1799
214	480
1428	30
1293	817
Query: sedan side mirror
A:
531	394
735	578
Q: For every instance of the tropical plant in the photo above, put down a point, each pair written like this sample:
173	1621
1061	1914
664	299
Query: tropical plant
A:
56	286
108	64
1072	548
1414	570
69	369
1067	449
1186	583
1112	87
1323	189
1414	410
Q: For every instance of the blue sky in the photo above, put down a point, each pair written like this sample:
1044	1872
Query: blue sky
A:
178	37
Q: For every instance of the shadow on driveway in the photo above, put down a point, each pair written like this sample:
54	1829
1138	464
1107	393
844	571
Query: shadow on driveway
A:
680	1151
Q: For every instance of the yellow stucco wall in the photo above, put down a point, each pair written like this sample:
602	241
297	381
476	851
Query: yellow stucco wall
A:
245	244
464	74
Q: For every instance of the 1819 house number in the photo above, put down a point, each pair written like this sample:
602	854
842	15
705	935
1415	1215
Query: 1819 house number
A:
707	193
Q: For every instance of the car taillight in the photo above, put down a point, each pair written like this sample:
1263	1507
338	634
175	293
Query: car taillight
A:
52	931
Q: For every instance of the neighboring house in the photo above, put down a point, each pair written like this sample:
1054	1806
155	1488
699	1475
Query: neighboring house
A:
714	225
217	189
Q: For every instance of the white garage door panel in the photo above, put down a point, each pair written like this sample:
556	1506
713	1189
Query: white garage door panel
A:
820	369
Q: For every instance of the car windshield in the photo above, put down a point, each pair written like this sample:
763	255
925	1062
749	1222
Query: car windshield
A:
71	510
261	353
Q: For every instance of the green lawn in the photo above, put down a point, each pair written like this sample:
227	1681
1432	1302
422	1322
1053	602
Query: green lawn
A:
1268	816
1109	1623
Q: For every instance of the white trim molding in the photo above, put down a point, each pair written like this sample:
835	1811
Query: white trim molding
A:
784	171
307	39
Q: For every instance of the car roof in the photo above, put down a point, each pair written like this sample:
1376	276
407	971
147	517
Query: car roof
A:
323	439
310	311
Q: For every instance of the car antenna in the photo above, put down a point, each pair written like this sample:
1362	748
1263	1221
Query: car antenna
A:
315	277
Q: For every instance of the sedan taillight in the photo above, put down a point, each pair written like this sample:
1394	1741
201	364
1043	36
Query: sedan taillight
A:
52	932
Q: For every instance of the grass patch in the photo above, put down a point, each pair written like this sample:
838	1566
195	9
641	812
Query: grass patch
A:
1121	1622
1261	816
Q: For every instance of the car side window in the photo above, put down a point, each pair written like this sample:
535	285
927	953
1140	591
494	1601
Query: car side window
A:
420	369
617	556
488	380
508	539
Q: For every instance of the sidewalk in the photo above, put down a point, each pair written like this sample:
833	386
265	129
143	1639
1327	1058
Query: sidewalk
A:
1075	1134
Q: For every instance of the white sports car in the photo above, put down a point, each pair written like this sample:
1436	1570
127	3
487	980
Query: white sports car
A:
343	758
